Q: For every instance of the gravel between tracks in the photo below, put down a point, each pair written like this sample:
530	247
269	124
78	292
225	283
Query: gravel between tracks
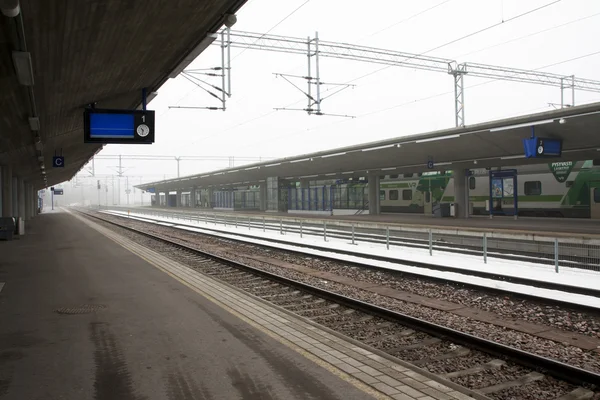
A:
506	306
509	307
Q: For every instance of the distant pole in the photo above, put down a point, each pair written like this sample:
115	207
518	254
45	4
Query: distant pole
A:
127	188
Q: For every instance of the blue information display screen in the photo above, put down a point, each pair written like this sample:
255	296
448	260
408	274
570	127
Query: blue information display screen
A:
118	126
111	125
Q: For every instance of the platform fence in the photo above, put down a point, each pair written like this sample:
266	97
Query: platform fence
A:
552	252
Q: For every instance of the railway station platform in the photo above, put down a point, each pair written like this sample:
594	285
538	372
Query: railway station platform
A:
561	227
87	313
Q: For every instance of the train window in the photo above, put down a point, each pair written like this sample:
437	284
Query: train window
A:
568	184
408	175
393	195
419	174
596	162
533	188
472	183
597	195
382	195
393	176
407	194
381	176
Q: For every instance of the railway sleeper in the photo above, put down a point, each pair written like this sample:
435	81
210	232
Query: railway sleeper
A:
578	394
289	299
458	352
293	306
266	286
522	381
415	346
288	294
322	317
494	364
383	338
343	323
317	309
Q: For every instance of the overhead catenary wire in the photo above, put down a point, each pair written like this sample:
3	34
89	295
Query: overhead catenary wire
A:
530	35
418	14
410	102
462	38
423	53
239	54
276	25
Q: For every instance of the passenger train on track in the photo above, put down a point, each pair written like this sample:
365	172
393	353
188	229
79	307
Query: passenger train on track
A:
563	189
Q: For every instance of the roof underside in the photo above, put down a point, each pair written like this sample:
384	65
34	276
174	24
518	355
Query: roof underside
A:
493	144
84	52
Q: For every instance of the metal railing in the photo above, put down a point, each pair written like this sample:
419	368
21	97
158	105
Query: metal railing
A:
543	250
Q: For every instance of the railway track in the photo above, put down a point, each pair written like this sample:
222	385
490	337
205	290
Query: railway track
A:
490	368
423	265
499	248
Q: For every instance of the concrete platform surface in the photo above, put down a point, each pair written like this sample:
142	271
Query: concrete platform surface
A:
81	317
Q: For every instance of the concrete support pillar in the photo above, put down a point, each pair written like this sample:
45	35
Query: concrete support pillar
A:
193	197
28	202
22	196
178	202
32	201
6	192
273	194
262	195
210	197
15	197
35	201
374	200
460	193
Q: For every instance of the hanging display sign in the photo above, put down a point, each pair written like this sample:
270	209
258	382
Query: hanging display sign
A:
118	126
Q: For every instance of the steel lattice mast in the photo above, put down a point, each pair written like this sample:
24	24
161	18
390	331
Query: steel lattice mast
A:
314	48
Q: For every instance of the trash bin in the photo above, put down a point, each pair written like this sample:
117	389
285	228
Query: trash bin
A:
20	226
441	210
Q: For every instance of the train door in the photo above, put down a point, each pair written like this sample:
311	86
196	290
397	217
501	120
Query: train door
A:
427	206
595	199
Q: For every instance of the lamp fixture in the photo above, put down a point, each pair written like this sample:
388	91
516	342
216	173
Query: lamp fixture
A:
34	124
23	67
10	8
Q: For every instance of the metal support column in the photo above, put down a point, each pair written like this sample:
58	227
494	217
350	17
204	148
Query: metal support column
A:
374	201
459	94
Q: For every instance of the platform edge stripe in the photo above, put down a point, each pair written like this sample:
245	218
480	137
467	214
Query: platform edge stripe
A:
330	367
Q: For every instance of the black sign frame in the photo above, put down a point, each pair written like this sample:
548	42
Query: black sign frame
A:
145	117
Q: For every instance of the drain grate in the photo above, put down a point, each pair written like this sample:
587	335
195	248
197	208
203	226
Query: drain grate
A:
81	309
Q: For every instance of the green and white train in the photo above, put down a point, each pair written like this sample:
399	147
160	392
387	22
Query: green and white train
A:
563	189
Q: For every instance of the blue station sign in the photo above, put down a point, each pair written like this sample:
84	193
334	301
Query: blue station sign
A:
118	126
58	162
